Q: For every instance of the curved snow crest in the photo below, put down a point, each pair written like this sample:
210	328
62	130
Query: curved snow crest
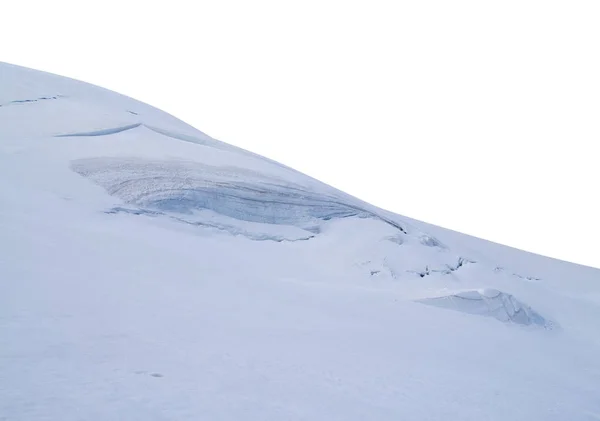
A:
492	303
102	132
201	140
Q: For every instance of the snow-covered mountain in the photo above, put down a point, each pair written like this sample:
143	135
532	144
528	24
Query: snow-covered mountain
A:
151	272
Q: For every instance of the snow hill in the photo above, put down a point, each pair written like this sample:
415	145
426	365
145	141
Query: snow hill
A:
151	272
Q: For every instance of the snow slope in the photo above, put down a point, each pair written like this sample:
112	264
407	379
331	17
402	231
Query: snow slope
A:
150	272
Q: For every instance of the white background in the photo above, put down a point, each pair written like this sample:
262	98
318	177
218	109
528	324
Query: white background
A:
479	116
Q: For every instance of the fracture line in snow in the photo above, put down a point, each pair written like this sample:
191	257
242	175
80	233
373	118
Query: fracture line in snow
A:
102	132
26	101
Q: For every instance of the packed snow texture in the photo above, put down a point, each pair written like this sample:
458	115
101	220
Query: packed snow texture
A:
151	272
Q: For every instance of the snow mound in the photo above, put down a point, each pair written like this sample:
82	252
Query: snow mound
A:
490	302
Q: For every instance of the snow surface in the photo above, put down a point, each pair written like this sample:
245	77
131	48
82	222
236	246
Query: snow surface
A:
150	272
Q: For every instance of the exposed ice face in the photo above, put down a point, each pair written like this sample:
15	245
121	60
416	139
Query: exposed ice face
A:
262	206
185	187
491	302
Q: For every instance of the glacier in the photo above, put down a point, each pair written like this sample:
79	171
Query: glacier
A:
151	272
